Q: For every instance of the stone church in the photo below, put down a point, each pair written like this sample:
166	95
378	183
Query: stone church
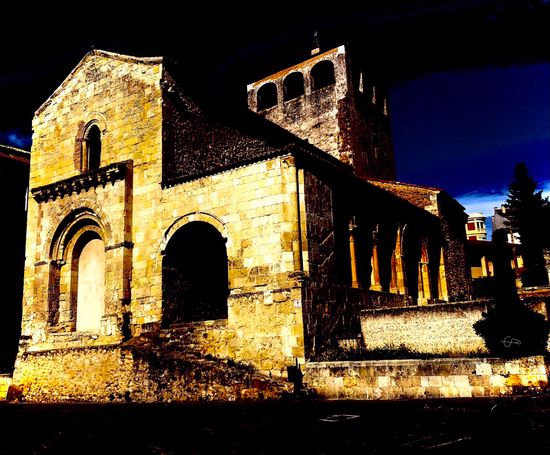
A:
257	239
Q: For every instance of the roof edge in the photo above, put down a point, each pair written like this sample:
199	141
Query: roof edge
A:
100	53
413	185
11	148
125	57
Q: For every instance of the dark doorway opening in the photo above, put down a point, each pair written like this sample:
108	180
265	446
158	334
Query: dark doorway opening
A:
195	275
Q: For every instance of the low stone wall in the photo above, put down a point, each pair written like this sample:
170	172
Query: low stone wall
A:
5	382
432	378
143	370
434	329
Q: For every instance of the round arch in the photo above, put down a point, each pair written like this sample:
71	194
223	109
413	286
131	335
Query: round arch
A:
66	217
195	274
198	216
77	220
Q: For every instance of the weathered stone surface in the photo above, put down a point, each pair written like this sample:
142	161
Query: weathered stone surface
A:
147	369
435	329
337	380
136	213
338	118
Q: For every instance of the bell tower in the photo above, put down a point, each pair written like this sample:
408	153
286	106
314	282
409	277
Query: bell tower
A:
336	107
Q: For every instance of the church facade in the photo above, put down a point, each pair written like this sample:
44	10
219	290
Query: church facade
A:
258	240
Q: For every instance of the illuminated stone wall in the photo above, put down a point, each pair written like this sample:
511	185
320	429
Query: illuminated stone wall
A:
137	373
434	329
135	212
432	378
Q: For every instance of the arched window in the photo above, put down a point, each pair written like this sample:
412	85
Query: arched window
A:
322	75
293	85
91	149
195	282
267	96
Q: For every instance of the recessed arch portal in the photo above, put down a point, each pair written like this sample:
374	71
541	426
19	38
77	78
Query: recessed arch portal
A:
76	288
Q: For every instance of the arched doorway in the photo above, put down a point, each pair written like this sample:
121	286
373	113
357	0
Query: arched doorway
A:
89	265
195	275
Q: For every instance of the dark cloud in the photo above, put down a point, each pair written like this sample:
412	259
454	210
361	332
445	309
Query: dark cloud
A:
16	138
217	50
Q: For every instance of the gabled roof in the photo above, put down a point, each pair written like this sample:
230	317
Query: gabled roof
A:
98	53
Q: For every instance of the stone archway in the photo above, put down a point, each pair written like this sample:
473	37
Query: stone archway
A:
195	282
77	268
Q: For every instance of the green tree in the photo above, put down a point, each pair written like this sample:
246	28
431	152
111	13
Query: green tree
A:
527	213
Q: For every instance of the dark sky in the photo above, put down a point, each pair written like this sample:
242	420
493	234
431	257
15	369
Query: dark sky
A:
469	80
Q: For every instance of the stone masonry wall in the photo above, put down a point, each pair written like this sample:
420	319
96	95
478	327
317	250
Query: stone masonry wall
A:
335	118
430	378
313	116
453	220
123	97
109	203
255	209
433	329
138	371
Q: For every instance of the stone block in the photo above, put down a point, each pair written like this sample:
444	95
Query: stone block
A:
462	381
478	391
435	381
465	392
450	392
497	381
512	367
483	369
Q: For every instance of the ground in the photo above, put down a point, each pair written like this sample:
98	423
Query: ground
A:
293	426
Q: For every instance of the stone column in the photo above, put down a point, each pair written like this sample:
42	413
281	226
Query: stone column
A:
84	155
398	278
442	279
375	284
424	288
352	257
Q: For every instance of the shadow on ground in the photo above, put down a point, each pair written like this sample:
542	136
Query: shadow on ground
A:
275	427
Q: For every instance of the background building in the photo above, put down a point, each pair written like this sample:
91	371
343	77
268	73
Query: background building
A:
14	181
475	227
